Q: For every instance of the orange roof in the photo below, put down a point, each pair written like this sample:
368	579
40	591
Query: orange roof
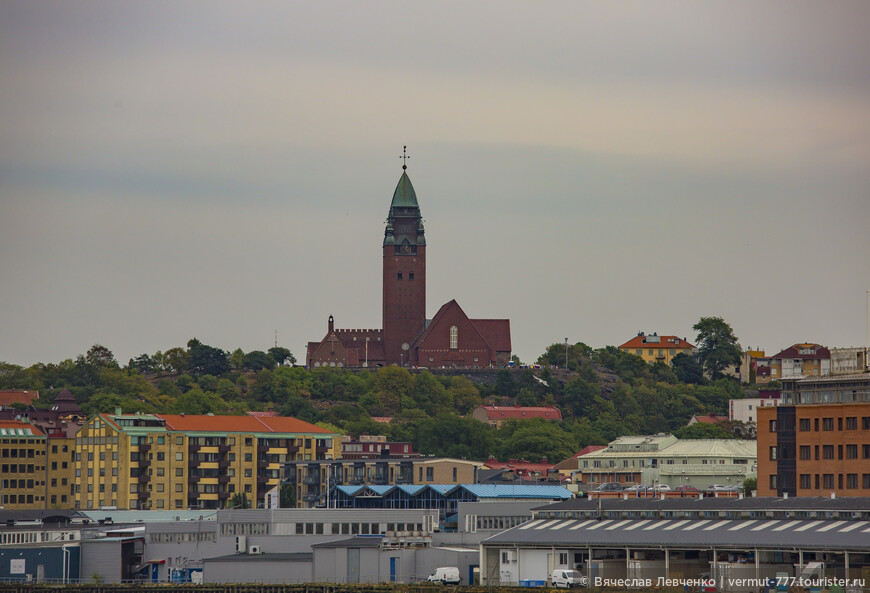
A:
17	396
664	342
261	414
711	419
237	424
288	424
16	424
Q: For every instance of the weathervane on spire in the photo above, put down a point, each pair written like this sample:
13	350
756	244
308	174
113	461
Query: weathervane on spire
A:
404	157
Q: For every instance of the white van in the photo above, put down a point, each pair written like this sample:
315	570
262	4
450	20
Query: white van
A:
562	577
446	575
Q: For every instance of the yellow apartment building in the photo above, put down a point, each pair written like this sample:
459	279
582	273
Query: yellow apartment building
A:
22	465
165	461
655	348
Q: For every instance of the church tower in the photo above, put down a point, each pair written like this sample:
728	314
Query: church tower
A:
404	280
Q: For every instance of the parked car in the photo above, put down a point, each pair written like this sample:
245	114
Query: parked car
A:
686	488
717	488
635	488
568	578
608	487
660	488
446	575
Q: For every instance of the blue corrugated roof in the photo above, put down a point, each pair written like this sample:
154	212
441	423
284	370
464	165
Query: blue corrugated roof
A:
380	490
411	489
516	491
349	490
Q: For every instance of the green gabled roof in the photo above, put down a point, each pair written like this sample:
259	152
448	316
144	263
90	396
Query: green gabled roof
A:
404	196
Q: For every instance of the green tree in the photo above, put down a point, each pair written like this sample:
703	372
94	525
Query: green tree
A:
750	484
287	497
718	348
177	360
257	360
207	360
100	356
239	500
703	430
282	355
535	439
687	369
237	358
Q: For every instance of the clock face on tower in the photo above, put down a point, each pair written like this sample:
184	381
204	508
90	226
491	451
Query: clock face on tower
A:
406	249
405	345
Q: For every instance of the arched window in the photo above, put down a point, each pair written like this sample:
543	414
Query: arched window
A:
454	337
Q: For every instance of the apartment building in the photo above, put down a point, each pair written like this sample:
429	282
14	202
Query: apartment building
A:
311	480
655	348
666	460
164	461
22	465
805	359
817	441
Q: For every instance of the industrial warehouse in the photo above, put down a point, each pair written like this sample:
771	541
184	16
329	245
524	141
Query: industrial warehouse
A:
732	544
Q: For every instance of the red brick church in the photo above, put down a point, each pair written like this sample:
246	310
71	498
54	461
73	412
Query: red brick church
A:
450	338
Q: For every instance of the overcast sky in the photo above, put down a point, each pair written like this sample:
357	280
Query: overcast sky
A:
222	170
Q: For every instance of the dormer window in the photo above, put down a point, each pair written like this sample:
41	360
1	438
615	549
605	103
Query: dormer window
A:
454	337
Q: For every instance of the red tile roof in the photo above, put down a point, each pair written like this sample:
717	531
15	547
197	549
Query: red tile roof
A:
664	342
711	419
588	449
238	424
267	413
17	396
288	424
500	412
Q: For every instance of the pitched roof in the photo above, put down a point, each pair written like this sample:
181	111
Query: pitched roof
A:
794	351
496	332
17	396
20	428
267	413
503	412
288	424
245	423
641	341
710	419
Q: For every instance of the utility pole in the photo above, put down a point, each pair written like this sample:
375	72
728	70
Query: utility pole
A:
566	354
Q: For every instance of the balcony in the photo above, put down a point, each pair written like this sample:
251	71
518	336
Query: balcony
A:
143	478
292	449
404	479
193	448
144	448
222	495
193	479
262	448
144	462
380	479
311	480
321	449
262	479
356	480
223	449
310	498
223	479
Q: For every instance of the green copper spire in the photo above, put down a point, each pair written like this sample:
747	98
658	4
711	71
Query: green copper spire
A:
404	196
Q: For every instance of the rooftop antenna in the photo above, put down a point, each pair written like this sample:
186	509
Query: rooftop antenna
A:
276	338
404	157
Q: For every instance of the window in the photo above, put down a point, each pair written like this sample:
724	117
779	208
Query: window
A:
806	482
773	426
851	480
852	423
773	453
805	425
773	481
179	487
865	479
179	471
454	337
851	451
410	275
399	276
828	481
179	456
430	474
827	451
805	453
827	424
454	474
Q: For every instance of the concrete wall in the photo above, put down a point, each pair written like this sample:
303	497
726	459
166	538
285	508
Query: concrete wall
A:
248	570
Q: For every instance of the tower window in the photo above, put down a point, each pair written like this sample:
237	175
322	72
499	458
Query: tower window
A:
454	337
410	275
399	276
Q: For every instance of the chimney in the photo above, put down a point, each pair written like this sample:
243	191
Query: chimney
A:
833	495
331	324
784	495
